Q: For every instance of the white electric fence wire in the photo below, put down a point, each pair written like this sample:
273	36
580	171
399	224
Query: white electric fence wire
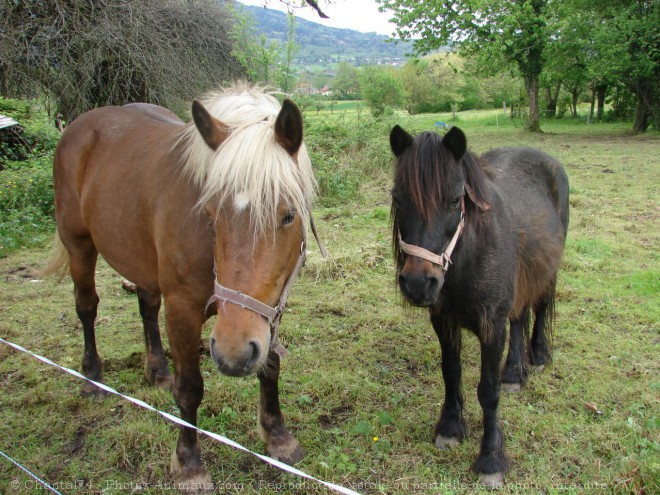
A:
181	422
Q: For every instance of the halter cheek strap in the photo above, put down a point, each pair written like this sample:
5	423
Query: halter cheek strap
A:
272	314
443	259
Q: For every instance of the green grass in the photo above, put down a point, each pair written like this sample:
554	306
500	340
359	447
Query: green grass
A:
363	367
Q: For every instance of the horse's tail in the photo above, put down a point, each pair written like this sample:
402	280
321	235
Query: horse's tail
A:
58	266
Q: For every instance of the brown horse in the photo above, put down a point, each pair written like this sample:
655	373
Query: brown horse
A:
169	204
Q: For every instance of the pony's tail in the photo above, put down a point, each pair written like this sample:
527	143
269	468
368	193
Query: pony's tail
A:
59	260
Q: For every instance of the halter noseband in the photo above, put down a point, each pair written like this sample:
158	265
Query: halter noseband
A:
270	313
444	259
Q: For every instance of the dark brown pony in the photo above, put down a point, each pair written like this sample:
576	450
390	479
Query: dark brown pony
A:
479	240
167	204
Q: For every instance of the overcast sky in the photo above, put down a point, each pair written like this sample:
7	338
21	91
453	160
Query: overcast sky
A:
360	15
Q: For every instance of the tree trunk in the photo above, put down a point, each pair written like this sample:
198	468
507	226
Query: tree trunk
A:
601	92
590	119
552	95
574	103
532	87
643	109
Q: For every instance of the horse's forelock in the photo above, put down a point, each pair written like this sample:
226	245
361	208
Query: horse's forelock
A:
425	173
249	163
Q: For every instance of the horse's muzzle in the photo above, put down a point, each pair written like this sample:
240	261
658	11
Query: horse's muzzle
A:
420	289
248	360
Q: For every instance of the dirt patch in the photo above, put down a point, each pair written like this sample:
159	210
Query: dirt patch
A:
337	417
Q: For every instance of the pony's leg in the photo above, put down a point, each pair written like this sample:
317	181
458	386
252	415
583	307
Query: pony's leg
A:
540	349
82	263
156	370
451	428
280	444
184	328
491	464
514	374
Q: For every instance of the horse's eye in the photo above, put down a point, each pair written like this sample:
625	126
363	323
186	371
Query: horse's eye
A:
455	203
289	218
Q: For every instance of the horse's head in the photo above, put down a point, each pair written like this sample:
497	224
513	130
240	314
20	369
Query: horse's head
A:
431	178
259	207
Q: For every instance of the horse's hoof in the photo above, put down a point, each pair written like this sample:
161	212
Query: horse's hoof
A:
444	443
159	379
289	453
494	481
189	480
537	369
91	391
511	388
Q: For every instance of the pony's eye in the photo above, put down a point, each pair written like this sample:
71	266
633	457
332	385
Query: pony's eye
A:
289	218
455	203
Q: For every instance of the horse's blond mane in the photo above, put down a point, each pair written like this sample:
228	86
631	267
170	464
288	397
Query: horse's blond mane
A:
249	163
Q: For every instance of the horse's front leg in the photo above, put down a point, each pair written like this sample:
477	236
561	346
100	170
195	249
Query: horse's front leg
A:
156	370
451	428
183	332
280	444
491	465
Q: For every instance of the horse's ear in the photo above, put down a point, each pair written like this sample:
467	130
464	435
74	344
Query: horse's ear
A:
289	127
482	205
455	142
212	130
400	140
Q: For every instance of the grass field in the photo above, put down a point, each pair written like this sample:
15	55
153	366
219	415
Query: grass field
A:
362	388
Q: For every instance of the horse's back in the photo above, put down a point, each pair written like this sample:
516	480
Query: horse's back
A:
118	183
531	174
534	186
155	112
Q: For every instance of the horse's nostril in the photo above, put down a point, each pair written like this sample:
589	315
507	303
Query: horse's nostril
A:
432	283
255	352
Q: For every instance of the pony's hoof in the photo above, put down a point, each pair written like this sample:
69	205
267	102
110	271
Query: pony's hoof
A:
444	443
289	452
494	481
190	480
511	388
537	369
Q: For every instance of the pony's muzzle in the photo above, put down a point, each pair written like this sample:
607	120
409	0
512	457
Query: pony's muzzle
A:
420	282
240	348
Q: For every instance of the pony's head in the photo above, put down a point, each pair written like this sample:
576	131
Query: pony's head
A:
438	188
248	159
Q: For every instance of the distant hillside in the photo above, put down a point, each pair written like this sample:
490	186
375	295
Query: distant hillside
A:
321	45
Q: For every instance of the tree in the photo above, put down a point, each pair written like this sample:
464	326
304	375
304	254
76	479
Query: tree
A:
110	52
433	83
498	33
625	41
380	87
345	81
258	57
287	72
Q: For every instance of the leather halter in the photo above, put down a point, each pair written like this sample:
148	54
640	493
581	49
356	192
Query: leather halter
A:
444	259
272	314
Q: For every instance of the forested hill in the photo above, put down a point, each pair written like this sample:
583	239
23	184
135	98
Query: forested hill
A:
324	45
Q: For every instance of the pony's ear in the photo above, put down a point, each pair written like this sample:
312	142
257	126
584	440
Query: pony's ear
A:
289	127
455	142
212	130
400	140
482	205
